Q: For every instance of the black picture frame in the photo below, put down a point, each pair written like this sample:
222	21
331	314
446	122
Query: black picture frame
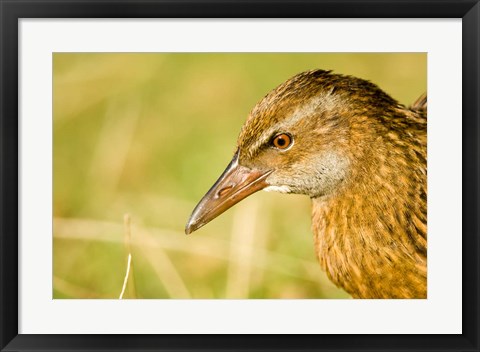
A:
11	11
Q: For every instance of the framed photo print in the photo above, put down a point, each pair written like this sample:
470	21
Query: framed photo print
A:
270	175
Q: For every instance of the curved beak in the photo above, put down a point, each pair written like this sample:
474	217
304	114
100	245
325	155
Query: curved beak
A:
236	183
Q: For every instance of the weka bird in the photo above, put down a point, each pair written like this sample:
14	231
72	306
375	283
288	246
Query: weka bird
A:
361	157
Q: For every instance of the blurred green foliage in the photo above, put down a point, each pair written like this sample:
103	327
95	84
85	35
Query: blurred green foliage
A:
147	134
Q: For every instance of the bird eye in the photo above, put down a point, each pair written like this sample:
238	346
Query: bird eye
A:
282	141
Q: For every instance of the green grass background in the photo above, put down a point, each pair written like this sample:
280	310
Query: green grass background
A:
147	135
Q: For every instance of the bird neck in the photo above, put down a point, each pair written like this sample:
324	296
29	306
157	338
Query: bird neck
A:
374	226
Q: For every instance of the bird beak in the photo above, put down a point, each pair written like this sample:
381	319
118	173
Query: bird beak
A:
236	183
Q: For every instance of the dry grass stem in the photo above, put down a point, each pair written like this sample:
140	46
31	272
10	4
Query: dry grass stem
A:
164	267
125	280
118	129
129	271
241	248
168	240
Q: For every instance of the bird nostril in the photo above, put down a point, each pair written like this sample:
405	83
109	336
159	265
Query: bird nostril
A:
224	191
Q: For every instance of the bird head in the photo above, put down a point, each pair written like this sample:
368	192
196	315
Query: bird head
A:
297	139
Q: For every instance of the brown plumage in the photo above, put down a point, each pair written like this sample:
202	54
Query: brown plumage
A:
361	157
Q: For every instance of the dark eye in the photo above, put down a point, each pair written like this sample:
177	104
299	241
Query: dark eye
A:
282	141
